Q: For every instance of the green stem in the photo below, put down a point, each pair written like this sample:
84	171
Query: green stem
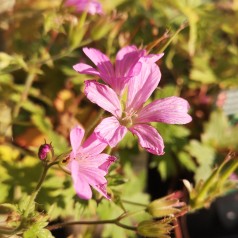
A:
172	38
129	214
228	172
38	187
134	203
28	84
63	224
132	228
112	221
94	123
213	177
115	221
36	191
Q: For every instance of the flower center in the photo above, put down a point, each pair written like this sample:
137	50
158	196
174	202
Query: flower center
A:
127	118
80	156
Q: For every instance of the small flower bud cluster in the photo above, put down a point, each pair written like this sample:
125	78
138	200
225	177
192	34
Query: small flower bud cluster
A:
152	228
166	206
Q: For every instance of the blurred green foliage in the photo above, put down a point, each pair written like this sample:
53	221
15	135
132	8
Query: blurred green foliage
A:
41	96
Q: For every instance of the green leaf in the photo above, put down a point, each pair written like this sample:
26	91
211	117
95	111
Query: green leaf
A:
167	91
4	192
5	120
205	156
24	204
44	233
37	231
42	123
77	33
202	71
53	21
186	160
101	28
166	164
172	132
128	141
218	133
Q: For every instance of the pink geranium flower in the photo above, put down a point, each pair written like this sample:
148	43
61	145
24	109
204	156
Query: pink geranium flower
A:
88	165
133	115
91	6
126	66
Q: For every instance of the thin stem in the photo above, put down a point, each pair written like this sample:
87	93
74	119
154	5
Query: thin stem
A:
28	84
94	123
112	221
173	36
132	228
134	203
177	229
38	187
128	214
63	224
63	169
36	191
228	172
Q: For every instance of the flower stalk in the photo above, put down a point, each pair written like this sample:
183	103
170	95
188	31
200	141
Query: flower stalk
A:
116	221
38	187
28	84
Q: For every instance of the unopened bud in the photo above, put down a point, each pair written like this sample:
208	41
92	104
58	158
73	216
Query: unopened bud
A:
166	206
46	152
9	218
153	228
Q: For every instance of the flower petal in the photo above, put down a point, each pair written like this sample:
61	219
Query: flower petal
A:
171	110
94	7
95	177
101	161
110	131
93	146
142	86
108	160
102	188
103	96
126	59
126	66
102	62
76	136
149	138
90	6
154	57
81	185
85	69
85	172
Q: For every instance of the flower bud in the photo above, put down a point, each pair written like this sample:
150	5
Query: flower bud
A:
153	228
166	206
46	152
9	218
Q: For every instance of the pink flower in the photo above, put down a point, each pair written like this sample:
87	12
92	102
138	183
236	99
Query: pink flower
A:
91	6
132	114
126	66
88	165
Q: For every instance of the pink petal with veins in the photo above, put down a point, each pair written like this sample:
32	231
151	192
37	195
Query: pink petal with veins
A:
149	138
